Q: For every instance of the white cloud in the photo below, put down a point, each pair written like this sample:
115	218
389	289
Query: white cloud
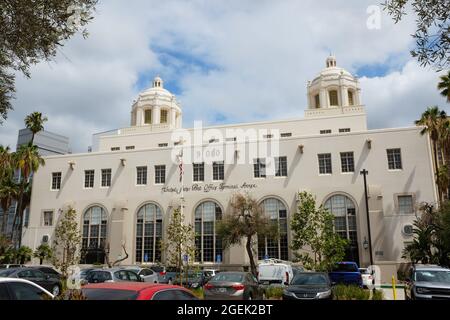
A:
263	54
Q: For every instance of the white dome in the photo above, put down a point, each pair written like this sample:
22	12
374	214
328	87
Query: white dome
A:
332	71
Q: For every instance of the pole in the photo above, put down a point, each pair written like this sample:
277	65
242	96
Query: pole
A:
394	290
364	173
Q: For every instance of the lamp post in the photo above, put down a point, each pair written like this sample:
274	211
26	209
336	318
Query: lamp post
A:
364	173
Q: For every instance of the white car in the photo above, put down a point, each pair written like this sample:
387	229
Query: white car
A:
274	271
146	274
21	289
368	279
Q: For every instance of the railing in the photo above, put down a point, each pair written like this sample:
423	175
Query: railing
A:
144	129
333	111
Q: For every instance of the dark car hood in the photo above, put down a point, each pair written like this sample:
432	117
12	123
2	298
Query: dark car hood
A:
307	288
433	285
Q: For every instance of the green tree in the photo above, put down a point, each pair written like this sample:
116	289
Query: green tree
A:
245	221
24	254
444	86
5	250
7	163
433	120
35	122
28	161
318	246
66	243
9	191
43	252
432	29
33	31
180	240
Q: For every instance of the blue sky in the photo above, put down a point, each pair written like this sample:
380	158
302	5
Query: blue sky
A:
226	61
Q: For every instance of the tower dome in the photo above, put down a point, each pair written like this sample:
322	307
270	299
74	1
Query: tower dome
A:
156	106
334	87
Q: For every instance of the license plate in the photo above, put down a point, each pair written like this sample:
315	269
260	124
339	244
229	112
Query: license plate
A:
222	290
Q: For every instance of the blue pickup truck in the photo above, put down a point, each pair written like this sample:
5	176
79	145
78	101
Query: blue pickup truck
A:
346	273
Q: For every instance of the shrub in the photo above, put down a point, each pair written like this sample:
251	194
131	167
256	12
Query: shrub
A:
377	295
274	292
343	292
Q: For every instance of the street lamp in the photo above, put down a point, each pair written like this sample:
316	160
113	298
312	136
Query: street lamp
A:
364	173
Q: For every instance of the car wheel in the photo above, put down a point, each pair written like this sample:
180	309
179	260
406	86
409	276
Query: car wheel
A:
56	290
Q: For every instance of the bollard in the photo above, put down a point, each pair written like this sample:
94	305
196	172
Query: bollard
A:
394	291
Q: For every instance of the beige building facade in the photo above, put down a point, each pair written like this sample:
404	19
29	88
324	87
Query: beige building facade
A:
125	190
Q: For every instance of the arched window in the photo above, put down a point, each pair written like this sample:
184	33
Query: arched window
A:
148	233
333	98
278	248
208	246
164	115
344	211
95	221
317	101
148	116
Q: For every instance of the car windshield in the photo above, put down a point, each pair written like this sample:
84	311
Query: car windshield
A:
433	276
6	272
312	279
228	277
109	294
345	267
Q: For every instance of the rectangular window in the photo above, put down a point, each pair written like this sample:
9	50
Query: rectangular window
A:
115	148
163	116
286	135
394	157
199	172
48	219
213	140
56	180
148	116
141	176
218	170
89	178
163	145
351	102
259	168
317	100
281	166
230	139
333	98
160	174
328	131
268	136
325	163
405	204
106	177
347	162
129	147
344	130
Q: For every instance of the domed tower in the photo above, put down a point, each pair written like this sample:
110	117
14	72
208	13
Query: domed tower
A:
157	107
333	89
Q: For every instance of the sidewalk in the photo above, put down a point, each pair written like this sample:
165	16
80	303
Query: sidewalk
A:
388	293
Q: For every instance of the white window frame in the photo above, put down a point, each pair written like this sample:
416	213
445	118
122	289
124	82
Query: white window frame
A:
91	177
141	176
325	165
160	178
103	173
53	178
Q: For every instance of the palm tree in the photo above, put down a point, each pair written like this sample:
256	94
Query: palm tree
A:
35	122
6	162
432	120
9	191
28	161
444	85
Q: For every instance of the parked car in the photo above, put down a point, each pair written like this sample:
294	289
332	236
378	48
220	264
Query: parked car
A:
346	273
427	282
146	274
48	270
233	286
191	279
309	286
7	266
368	280
275	272
48	282
160	271
296	270
22	289
136	291
209	273
111	275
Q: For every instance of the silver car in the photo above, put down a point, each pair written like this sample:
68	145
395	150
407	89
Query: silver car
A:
233	286
427	282
146	274
111	275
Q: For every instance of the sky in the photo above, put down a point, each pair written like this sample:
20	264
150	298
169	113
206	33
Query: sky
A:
226	61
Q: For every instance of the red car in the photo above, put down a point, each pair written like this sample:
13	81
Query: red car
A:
136	291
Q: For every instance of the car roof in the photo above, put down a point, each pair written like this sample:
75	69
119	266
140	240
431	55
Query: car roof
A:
3	280
430	267
131	286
